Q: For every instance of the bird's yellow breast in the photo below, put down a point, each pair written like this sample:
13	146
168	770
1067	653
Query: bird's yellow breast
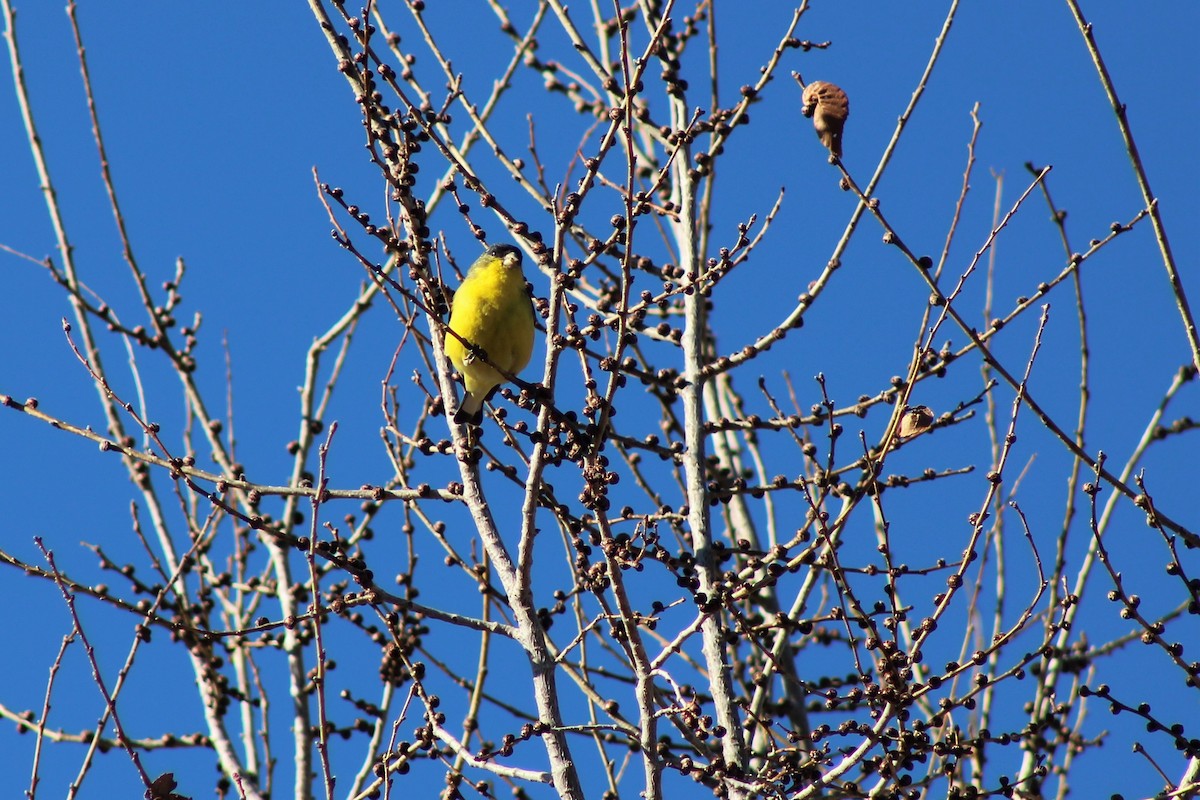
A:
492	311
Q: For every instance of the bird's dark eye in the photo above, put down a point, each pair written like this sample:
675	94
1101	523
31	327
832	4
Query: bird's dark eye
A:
509	255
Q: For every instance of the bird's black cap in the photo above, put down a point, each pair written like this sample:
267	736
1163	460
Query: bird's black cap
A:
501	250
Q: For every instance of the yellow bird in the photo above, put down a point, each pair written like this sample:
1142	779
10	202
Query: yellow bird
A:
493	312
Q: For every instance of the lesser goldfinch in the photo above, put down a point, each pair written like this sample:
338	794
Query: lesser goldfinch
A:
829	107
493	312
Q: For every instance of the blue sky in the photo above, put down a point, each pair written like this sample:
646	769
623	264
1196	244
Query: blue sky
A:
215	121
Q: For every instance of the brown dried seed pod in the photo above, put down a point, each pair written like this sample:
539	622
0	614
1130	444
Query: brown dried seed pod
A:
915	420
829	107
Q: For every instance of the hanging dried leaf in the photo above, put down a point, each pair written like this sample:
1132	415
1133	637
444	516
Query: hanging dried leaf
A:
829	107
163	788
915	420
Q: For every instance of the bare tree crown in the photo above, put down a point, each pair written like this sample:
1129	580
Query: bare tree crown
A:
797	496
